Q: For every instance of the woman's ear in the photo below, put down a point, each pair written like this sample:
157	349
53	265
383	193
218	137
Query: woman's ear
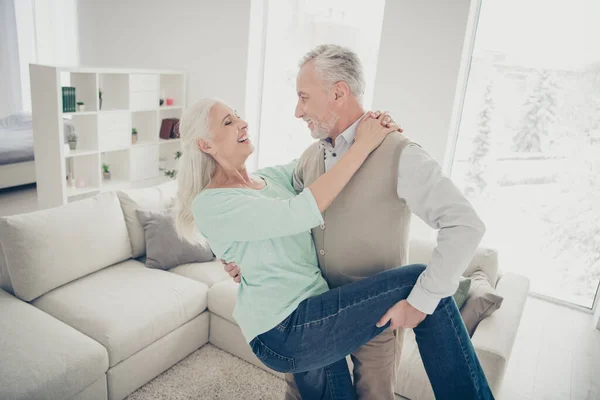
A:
205	145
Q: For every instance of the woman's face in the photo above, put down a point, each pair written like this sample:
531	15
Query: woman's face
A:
230	142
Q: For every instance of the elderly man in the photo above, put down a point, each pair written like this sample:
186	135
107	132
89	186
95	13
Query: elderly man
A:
366	228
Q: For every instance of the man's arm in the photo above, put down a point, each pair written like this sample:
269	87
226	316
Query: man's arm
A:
298	179
434	198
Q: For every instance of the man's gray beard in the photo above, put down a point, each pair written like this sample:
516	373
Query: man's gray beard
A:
323	131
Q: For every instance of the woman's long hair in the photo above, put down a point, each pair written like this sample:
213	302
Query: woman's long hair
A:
195	167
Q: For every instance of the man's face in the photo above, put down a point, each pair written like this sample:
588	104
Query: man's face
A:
315	102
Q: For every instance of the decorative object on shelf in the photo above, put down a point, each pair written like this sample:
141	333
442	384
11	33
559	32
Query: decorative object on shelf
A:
99	99
134	136
70	174
169	101
169	128
80	106
106	171
72	140
175	132
161	102
68	99
162	165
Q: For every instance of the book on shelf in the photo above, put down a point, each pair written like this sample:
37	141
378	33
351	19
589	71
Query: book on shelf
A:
169	128
68	99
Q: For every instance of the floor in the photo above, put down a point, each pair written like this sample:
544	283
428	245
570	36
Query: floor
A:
556	354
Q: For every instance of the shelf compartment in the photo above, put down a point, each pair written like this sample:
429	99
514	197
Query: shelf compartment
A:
171	86
114	130
115	91
167	160
86	89
143	91
86	128
119	166
83	173
145	123
144	163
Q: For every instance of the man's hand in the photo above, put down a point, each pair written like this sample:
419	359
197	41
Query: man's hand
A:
233	270
402	315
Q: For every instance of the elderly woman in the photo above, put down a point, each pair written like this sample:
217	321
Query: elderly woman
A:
288	315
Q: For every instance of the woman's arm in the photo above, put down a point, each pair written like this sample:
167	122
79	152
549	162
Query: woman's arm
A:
369	135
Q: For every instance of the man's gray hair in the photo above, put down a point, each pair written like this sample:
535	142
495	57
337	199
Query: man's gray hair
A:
335	63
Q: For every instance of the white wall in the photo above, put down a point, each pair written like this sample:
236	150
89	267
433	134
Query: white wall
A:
420	68
208	39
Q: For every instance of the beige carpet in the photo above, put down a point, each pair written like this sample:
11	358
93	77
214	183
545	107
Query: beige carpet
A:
211	373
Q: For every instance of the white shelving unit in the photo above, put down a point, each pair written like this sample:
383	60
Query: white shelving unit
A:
130	99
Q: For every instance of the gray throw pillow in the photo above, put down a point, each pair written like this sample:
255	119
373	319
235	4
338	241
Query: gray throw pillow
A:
462	292
164	249
481	302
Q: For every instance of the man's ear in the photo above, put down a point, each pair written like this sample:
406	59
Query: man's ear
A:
341	91
205	145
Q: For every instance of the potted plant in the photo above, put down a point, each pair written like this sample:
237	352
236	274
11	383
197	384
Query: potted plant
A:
100	99
80	106
134	136
162	166
106	171
72	140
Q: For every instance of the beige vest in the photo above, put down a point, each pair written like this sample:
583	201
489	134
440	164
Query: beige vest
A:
367	226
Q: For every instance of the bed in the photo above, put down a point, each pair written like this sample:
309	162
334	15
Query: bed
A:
17	165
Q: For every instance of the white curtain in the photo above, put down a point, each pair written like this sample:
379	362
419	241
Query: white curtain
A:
293	27
33	32
10	76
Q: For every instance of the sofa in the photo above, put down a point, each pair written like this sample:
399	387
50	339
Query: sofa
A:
82	317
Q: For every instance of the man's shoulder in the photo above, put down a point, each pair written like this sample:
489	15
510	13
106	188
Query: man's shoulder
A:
310	153
397	139
395	142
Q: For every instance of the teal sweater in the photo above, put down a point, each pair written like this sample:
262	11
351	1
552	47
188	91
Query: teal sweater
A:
267	233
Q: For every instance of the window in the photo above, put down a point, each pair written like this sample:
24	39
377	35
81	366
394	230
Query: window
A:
294	27
528	148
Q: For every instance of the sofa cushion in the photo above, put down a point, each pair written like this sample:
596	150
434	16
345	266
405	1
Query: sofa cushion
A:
484	259
164	248
43	358
481	302
207	272
4	278
127	306
152	198
221	299
46	249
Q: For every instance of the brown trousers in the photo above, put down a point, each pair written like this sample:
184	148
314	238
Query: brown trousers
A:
375	366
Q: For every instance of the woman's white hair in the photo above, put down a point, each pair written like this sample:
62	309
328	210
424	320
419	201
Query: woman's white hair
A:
335	63
195	168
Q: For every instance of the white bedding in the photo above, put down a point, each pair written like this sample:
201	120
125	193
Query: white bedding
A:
16	139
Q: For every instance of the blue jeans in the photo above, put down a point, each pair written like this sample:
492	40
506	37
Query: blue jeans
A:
314	340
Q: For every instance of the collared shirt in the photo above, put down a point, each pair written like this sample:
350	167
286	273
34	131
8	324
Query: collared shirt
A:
435	199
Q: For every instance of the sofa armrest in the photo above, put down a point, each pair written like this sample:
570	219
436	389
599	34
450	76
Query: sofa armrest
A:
495	336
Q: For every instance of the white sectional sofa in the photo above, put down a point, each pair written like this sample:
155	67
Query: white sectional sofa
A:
81	317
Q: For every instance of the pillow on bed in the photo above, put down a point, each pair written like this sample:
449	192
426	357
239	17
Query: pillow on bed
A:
22	118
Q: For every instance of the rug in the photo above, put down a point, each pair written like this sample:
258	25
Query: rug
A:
211	373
